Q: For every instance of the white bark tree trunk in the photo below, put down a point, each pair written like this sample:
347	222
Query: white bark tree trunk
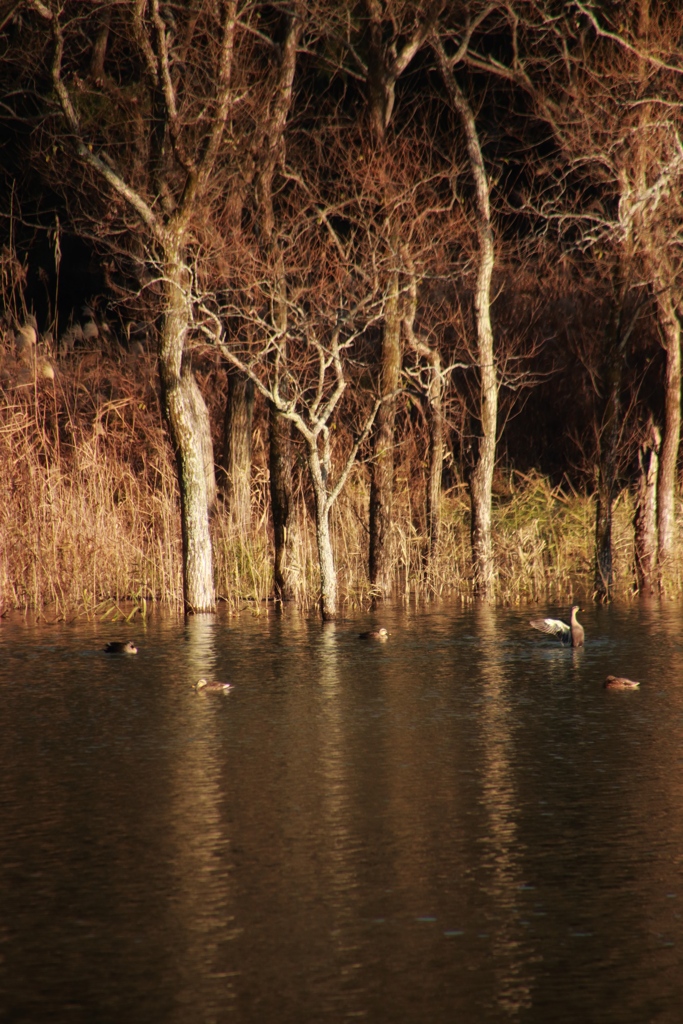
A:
179	408
434	395
671	438
481	482
328	573
167	225
382	466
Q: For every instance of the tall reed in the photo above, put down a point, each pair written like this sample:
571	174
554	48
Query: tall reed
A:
89	513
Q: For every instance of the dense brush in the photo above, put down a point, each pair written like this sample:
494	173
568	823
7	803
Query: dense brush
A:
89	513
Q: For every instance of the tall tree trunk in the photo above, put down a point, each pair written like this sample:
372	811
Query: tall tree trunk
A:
280	455
328	572
239	414
202	421
608	471
433	504
666	487
179	405
665	285
618	332
645	519
382	466
282	505
99	50
167	223
381	78
604	569
388	58
323	505
434	393
481	479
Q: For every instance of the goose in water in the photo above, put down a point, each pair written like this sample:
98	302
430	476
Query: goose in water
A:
568	633
620	683
374	634
204	686
121	647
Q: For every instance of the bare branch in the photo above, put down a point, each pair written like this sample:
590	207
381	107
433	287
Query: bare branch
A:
615	37
404	57
467	36
42	9
85	152
348	465
142	39
223	97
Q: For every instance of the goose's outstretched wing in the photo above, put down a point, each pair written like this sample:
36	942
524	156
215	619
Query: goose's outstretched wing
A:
554	626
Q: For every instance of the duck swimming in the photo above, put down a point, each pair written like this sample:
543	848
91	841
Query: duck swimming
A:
571	632
121	647
204	686
374	634
620	683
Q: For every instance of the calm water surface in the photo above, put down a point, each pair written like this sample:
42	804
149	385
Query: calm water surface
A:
458	825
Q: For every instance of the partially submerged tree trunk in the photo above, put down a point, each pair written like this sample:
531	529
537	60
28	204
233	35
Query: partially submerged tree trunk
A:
382	466
280	449
666	486
166	223
608	446
481	479
180	408
645	519
435	461
310	411
328	573
434	396
647	213
604	570
202	421
282	504
387	60
239	414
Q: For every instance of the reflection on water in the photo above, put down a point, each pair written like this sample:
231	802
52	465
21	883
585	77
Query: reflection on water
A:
458	824
502	847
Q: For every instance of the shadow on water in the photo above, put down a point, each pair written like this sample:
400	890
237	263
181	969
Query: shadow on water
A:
456	824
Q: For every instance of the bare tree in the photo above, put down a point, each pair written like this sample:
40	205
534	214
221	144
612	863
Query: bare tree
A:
622	320
481	480
311	401
645	519
395	34
611	96
271	154
433	389
180	166
239	415
253	176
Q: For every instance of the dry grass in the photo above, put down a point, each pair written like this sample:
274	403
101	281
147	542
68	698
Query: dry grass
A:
89	516
88	511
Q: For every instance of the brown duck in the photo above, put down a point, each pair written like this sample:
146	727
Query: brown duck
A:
620	683
374	634
571	632
121	647
204	686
